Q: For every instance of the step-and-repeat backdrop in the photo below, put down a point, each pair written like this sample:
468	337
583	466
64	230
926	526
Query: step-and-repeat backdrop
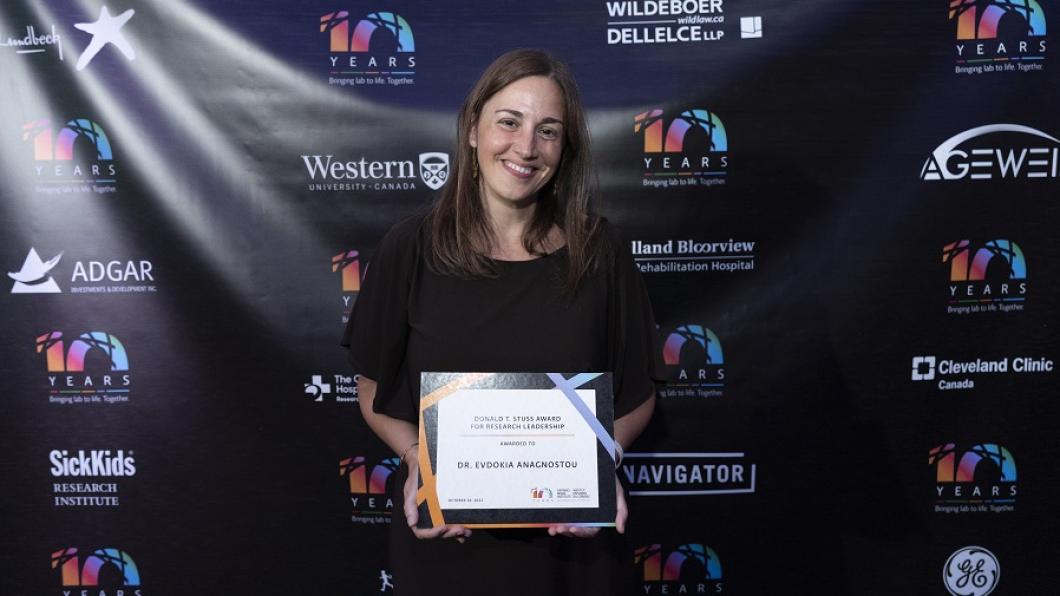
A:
845	213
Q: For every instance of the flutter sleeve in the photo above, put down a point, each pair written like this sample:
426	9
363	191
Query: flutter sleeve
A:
377	332
633	350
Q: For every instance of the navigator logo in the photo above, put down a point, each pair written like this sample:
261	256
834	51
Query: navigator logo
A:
34	277
994	151
688	474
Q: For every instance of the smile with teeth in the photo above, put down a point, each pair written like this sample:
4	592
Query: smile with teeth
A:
519	170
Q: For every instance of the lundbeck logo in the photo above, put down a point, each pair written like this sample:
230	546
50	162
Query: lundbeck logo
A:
83	471
108	570
95	369
688	474
991	277
691	148
77	159
930	368
686	569
326	173
380	51
369	488
981	478
694	363
87	276
320	387
639	22
998	35
971	571
45	42
994	151
348	264
693	256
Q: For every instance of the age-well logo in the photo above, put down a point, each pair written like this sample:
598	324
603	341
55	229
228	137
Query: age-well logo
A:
994	151
981	478
987	278
998	35
95	369
687	569
77	159
971	571
104	568
694	363
693	256
928	368
379	52
349	264
688	474
369	488
691	150
95	464
326	173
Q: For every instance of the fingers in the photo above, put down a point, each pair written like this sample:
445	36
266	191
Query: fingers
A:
459	532
621	509
573	531
412	515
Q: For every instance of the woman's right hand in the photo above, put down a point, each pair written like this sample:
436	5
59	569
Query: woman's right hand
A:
412	512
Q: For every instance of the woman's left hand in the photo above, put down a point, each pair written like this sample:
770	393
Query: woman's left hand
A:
621	513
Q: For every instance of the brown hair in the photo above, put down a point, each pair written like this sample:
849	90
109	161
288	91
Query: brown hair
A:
457	227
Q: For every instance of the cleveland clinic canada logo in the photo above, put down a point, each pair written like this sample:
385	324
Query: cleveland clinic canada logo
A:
377	50
971	571
694	363
369	485
976	478
953	374
994	152
93	368
684	148
108	567
685	569
986	277
74	156
998	35
328	173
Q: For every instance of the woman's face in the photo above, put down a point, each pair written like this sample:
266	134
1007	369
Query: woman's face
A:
518	140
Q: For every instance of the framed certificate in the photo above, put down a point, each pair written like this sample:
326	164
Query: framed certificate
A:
514	450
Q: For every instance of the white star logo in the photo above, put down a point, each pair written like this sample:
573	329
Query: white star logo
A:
105	30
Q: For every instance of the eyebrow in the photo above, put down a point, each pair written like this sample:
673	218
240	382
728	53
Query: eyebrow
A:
518	114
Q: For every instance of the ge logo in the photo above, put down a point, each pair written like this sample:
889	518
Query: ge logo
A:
971	571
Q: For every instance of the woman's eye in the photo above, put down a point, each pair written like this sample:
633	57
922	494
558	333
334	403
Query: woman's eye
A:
548	133
508	123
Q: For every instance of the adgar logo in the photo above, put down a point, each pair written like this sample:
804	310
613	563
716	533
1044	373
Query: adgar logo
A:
979	478
998	35
691	148
991	277
686	569
994	151
380	51
86	276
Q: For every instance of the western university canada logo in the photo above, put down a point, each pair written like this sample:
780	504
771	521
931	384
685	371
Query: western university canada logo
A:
971	571
688	148
694	363
77	159
686	569
369	488
994	151
991	277
95	368
998	35
980	478
101	567
326	173
349	264
378	50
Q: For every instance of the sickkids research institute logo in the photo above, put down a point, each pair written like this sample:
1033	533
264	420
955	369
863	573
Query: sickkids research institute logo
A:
687	255
987	277
326	173
685	569
998	36
377	50
694	362
369	488
76	159
97	572
684	148
84	276
953	374
94	369
992	152
973	479
688	474
89	478
348	264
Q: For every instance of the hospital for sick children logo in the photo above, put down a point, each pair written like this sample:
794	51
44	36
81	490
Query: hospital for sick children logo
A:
998	35
687	569
986	278
102	566
379	51
692	149
95	368
694	363
77	159
981	478
369	488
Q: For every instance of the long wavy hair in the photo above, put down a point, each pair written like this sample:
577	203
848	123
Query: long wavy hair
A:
457	227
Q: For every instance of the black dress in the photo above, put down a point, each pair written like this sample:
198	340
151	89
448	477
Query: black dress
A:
408	319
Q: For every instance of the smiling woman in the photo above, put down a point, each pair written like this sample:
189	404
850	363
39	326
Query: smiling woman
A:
510	271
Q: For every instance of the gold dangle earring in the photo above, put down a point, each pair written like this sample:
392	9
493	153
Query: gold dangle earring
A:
474	166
